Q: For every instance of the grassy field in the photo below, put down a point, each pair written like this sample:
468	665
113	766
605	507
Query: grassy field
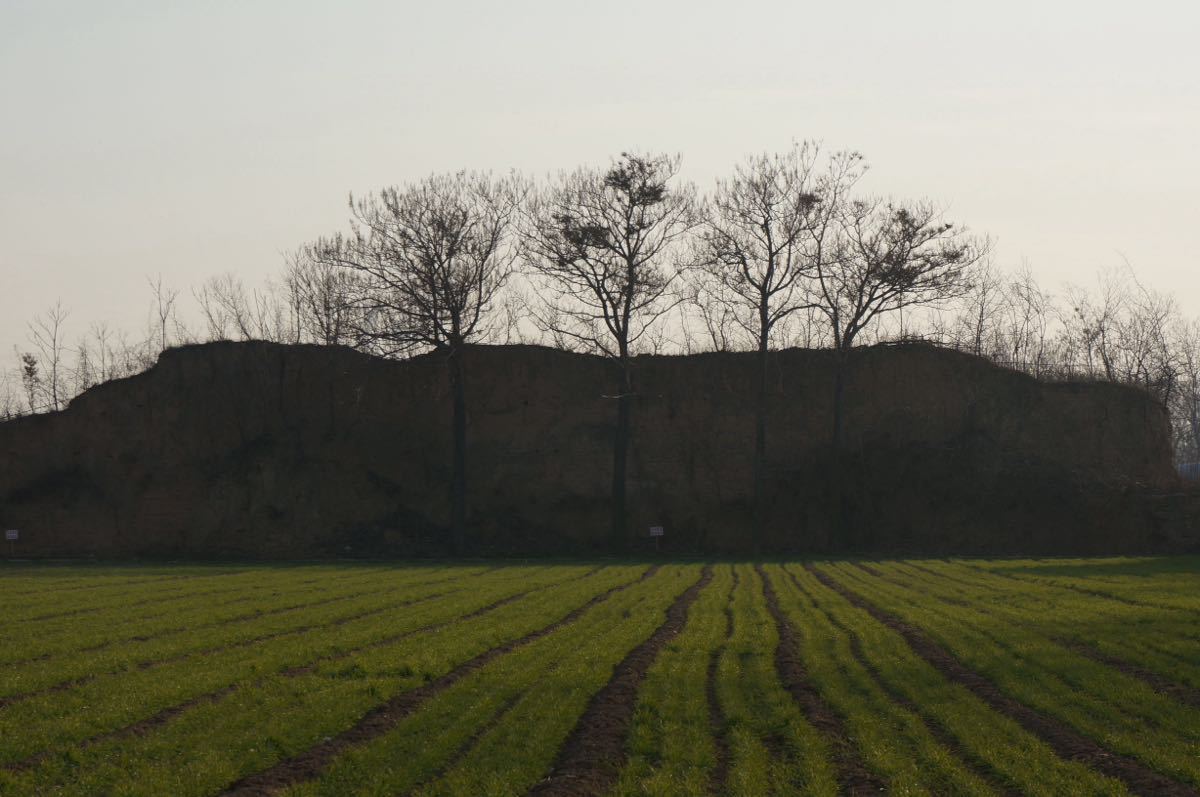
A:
907	677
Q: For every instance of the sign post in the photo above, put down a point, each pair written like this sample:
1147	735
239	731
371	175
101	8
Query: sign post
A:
656	532
12	535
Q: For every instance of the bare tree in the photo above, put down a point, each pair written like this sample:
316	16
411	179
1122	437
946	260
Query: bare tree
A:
602	247
230	311
1144	353
1090	323
323	297
103	361
1186	401
1030	313
164	309
984	304
430	259
31	381
222	300
889	256
10	403
759	243
46	333
718	319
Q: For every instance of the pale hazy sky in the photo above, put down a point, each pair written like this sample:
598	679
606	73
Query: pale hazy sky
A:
190	138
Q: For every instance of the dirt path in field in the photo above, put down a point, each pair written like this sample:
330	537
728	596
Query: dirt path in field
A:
853	776
381	719
716	716
976	765
1065	741
592	756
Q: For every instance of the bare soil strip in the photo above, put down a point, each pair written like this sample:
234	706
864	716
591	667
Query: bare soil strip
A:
716	717
979	767
591	758
1188	695
853	776
1064	740
381	719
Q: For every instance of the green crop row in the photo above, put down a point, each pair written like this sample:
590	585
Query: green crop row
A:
213	744
672	749
1118	711
1011	756
110	649
1166	641
183	681
498	729
56	720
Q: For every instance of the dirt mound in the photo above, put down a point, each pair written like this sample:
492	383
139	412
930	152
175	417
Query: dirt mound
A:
257	449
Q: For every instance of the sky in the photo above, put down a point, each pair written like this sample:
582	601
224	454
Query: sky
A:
186	139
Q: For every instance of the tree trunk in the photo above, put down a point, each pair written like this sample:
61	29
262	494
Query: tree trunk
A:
841	498
760	450
458	484
620	455
839	401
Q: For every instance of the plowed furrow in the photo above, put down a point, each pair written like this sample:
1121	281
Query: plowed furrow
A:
853	776
592	756
381	719
944	738
1064	740
1181	693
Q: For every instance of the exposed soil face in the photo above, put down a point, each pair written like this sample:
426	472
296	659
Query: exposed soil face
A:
379	720
853	775
262	450
1065	741
592	756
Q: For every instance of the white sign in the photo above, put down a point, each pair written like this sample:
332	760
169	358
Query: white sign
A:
656	531
11	535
